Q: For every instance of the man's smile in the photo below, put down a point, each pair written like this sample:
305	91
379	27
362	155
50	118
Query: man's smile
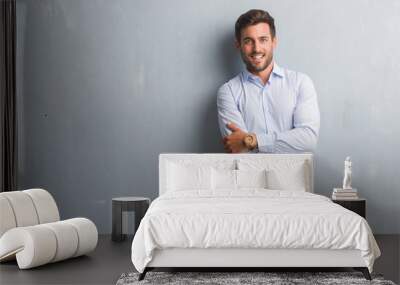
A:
257	57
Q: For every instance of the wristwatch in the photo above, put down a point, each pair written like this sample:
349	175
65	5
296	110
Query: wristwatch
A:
250	141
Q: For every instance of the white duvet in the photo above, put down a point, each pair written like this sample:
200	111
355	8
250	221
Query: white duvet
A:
250	218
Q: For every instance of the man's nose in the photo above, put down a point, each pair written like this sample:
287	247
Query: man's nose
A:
256	47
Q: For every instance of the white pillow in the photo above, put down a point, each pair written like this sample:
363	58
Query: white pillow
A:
236	179
223	179
289	179
282	174
251	178
188	177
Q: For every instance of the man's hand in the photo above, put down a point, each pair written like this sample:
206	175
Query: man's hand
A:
234	143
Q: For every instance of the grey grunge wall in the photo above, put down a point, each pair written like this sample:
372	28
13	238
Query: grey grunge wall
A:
105	86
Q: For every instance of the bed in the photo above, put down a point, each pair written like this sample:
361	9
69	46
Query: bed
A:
246	211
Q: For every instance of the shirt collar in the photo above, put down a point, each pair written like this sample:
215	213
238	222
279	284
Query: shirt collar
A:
276	70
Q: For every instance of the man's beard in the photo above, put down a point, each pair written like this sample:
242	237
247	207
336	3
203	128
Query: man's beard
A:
253	68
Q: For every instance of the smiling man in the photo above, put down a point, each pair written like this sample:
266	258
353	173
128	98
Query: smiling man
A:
266	108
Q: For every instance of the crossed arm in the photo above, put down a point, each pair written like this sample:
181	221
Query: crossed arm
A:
302	138
234	143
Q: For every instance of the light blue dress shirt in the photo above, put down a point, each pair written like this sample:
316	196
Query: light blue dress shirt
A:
283	113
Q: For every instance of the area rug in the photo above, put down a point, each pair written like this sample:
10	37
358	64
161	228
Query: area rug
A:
244	278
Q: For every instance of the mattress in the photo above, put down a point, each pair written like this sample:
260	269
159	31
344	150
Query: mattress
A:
251	219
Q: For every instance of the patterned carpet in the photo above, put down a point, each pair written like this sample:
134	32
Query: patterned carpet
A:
243	278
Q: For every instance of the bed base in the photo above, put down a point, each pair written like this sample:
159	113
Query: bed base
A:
250	259
364	270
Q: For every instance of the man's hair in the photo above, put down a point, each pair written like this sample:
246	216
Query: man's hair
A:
253	17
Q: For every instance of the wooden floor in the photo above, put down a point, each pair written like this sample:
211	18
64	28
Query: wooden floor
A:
110	260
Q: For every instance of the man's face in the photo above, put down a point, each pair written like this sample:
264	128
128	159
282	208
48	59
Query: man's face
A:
256	47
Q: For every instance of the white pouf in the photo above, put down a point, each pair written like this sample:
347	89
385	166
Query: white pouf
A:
31	232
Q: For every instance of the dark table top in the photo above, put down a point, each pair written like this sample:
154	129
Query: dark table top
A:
130	199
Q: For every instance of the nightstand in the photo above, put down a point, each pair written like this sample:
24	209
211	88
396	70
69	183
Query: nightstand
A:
358	206
126	204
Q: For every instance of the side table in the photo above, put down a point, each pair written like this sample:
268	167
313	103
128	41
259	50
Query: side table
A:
126	204
358	206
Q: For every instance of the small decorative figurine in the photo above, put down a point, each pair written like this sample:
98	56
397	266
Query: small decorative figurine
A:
347	173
